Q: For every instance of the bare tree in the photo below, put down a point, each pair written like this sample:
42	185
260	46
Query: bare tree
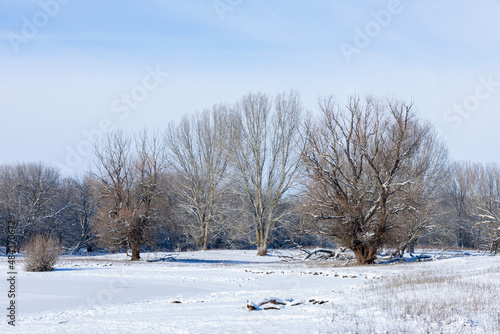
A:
199	148
266	157
129	186
33	199
84	207
487	204
356	158
458	189
420	198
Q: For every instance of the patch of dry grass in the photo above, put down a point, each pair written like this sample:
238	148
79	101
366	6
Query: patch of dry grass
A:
444	300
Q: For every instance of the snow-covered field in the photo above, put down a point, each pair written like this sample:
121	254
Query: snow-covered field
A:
208	292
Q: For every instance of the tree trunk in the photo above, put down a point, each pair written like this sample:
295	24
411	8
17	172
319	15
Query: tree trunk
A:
136	237
205	236
262	250
135	253
365	254
205	243
261	243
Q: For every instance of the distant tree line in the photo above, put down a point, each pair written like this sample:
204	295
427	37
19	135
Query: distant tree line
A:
259	173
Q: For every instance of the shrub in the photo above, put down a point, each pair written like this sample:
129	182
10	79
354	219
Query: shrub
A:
41	253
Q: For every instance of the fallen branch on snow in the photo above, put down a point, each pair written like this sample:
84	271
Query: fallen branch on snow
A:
165	258
278	304
317	254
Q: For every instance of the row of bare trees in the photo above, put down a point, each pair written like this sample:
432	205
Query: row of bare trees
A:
224	164
34	198
470	205
366	175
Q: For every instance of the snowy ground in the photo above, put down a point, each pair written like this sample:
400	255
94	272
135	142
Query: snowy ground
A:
207	292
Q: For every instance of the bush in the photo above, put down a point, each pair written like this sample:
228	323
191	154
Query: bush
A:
41	253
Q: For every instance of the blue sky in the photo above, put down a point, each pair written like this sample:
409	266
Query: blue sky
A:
60	80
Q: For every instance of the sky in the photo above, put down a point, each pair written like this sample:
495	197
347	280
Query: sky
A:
70	70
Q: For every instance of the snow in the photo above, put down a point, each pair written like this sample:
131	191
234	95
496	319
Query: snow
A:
209	292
